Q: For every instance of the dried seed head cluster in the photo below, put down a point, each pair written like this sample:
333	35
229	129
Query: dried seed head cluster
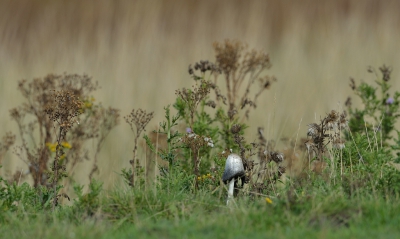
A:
278	159
192	98
273	156
228	55
64	110
386	72
37	91
196	95
327	131
203	66
236	128
138	119
211	103
238	64
254	60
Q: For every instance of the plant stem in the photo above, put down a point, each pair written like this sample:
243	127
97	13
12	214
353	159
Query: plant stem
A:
230	191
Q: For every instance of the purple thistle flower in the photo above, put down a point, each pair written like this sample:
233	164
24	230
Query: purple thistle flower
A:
389	101
188	130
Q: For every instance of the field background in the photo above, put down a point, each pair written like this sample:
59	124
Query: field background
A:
139	52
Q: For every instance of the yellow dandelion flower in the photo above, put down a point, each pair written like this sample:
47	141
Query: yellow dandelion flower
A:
66	145
268	200
51	147
199	178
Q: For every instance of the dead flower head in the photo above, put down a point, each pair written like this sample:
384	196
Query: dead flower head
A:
64	109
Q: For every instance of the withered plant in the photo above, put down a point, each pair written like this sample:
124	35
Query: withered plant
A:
63	111
138	120
241	69
36	129
263	175
328	131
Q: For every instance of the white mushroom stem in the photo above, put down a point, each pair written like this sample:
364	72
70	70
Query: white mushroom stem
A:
230	190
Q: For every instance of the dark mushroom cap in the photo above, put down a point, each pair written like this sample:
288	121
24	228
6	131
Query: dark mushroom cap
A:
233	168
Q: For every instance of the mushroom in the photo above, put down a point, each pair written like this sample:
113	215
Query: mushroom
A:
233	170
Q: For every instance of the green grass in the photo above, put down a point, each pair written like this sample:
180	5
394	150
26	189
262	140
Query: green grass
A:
188	216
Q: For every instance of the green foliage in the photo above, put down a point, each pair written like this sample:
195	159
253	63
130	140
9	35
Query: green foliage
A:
170	153
396	147
369	160
139	174
226	123
88	203
13	195
176	180
15	198
173	175
379	104
364	168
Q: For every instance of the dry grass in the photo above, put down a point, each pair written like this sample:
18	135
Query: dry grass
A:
139	52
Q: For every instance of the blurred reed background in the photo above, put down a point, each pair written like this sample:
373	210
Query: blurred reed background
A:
139	52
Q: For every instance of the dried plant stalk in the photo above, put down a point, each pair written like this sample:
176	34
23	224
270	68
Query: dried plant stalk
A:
137	119
63	111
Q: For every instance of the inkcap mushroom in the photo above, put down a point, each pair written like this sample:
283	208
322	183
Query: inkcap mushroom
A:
233	170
